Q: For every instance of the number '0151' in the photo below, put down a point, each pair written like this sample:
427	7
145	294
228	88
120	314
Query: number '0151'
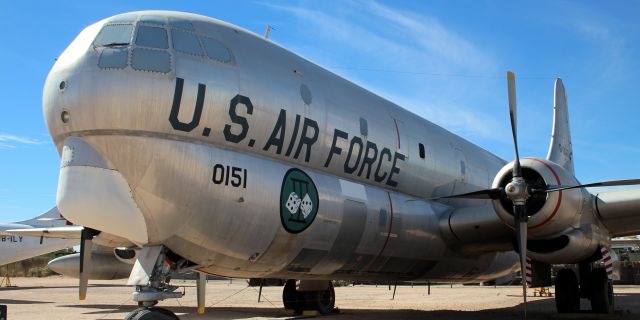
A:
229	176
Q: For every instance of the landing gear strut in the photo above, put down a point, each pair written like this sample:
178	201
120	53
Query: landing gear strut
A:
594	285
322	301
153	287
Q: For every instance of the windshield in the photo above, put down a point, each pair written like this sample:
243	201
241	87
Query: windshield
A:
114	35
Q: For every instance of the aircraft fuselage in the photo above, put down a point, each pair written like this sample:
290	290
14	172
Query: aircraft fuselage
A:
253	162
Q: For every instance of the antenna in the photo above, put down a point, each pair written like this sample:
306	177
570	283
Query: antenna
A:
268	31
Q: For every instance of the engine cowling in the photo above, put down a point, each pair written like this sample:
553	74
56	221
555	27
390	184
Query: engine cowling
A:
105	266
550	213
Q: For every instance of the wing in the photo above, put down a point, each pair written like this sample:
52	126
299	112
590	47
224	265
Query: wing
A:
70	232
619	211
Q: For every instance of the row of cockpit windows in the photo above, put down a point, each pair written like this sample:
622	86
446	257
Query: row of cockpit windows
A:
152	45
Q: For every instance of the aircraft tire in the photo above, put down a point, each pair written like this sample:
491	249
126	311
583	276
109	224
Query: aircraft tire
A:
291	299
324	301
151	313
133	313
155	314
567	292
601	292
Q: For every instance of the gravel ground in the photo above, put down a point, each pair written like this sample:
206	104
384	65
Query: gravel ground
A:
56	298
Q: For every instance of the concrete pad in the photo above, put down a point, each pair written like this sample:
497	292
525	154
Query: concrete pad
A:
57	298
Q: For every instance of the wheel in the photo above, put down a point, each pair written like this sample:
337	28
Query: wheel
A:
133	313
290	297
324	301
601	292
154	314
567	293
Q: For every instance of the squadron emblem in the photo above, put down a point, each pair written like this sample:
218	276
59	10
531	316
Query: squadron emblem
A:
298	201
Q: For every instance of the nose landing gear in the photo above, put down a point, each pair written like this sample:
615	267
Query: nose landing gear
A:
151	275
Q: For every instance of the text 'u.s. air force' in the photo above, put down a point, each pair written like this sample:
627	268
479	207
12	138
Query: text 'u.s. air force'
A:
357	157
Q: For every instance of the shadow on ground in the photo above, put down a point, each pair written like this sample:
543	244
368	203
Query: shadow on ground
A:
540	309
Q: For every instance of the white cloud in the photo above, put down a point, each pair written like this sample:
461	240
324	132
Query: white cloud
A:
414	51
10	141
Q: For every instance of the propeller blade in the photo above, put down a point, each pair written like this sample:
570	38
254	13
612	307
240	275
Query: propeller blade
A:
86	244
201	286
520	219
611	183
480	194
511	87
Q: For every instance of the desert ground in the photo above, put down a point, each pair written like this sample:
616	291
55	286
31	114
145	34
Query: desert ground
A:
57	298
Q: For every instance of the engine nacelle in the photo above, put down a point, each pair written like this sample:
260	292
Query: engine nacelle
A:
549	213
104	266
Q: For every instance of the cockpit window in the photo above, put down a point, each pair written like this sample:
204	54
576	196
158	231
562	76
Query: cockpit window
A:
151	60
114	58
186	42
114	35
153	19
152	37
216	50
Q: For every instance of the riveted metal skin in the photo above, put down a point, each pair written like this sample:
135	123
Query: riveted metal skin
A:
203	150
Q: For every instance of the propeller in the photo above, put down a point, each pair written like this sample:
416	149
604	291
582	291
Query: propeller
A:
518	190
86	244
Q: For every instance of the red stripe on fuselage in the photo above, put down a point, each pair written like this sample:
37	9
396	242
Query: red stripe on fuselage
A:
386	241
397	131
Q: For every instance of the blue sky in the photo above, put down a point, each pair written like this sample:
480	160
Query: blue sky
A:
443	60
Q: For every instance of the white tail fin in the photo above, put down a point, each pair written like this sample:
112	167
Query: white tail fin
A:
561	149
51	218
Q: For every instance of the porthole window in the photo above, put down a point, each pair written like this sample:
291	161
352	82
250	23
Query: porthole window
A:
216	50
152	37
186	42
421	150
114	35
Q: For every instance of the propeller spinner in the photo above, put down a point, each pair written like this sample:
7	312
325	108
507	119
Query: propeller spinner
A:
518	191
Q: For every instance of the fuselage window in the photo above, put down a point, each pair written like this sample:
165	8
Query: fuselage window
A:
421	150
114	35
216	50
364	128
186	42
152	37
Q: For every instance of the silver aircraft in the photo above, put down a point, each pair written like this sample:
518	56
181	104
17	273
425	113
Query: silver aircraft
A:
198	145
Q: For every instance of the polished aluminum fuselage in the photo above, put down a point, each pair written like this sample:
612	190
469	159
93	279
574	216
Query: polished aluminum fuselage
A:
264	112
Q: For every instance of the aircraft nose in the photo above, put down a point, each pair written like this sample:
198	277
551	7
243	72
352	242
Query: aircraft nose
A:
63	90
92	193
